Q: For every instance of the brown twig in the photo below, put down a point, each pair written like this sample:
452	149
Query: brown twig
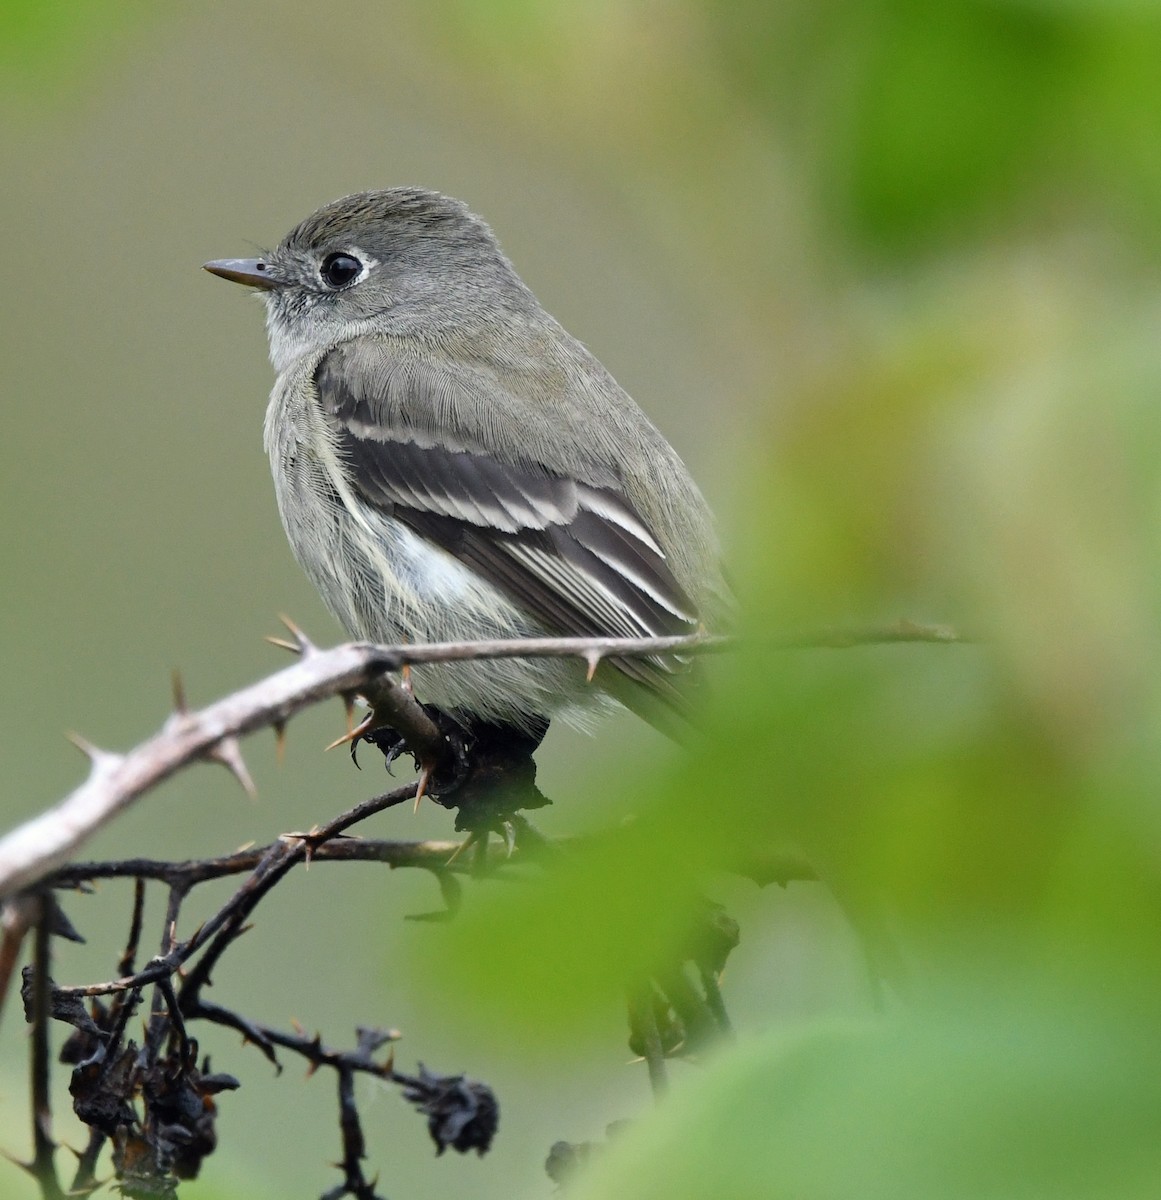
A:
159	1096
17	916
289	850
431	855
43	1165
440	856
394	706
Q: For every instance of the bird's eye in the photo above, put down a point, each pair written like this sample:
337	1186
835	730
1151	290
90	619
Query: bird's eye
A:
338	270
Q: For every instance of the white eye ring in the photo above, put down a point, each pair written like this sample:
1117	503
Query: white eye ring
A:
341	270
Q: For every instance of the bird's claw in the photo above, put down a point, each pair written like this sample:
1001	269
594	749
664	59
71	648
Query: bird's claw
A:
383	738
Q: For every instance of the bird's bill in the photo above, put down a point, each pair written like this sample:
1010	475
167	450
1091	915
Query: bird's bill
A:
253	272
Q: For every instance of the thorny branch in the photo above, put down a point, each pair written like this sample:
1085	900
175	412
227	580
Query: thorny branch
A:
220	929
154	1103
115	781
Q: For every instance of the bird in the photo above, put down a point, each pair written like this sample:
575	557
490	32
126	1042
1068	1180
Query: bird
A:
450	464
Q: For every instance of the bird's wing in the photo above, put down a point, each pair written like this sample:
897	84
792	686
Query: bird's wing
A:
573	554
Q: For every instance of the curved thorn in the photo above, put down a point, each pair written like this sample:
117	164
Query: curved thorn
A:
425	775
353	735
102	760
229	754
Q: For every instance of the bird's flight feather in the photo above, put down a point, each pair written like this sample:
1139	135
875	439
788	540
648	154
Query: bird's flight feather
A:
574	554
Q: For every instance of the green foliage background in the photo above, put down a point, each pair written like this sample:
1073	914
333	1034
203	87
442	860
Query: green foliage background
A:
886	272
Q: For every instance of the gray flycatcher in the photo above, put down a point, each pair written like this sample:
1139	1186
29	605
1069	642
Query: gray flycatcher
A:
451	465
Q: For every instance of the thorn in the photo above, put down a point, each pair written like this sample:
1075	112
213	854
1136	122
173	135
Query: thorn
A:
282	644
352	735
349	705
102	760
303	644
425	775
280	741
593	659
460	849
405	679
91	752
180	719
229	754
179	705
298	1027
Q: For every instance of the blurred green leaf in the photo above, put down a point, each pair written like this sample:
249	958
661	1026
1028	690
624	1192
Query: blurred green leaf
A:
949	112
42	42
960	801
1009	1095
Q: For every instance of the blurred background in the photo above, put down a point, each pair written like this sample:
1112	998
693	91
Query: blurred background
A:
887	275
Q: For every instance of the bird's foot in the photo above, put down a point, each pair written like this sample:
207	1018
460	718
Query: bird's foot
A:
500	779
487	775
446	774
